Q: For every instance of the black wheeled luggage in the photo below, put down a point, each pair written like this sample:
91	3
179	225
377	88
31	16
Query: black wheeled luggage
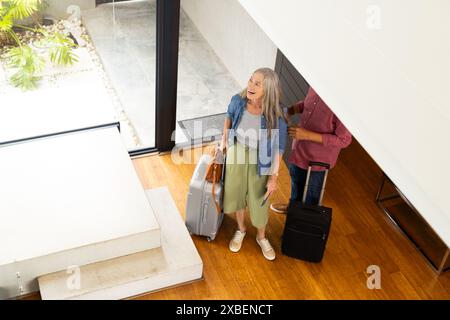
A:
307	227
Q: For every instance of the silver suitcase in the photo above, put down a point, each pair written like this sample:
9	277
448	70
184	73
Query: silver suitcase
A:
202	217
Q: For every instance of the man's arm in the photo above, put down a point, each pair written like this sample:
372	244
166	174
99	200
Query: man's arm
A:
341	137
304	134
296	108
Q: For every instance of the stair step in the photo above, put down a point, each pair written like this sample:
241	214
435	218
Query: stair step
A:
175	262
78	202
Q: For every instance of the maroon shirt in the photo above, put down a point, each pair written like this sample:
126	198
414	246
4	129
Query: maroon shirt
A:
316	116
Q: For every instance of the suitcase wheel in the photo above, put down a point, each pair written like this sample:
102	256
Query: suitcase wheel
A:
209	239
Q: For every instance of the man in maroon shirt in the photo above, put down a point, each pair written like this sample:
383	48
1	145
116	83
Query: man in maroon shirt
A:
319	136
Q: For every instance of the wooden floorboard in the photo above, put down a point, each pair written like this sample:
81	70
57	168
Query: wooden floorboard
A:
361	236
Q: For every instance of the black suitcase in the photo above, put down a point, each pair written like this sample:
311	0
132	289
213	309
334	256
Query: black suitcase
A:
307	227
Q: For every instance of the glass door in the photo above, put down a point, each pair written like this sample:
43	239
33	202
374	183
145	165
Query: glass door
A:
123	34
205	84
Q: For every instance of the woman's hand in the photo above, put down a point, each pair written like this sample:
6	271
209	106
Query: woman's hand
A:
290	113
271	186
223	146
288	117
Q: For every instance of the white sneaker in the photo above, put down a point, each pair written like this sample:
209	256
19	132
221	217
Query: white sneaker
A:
266	248
236	241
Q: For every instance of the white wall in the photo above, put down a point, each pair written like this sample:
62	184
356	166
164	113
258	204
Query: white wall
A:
233	34
57	8
389	85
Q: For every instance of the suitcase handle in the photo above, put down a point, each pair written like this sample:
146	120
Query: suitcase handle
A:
315	235
320	164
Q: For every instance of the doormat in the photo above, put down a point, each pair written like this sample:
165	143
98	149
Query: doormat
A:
203	129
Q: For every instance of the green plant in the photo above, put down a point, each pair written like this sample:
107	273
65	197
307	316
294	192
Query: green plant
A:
25	61
61	50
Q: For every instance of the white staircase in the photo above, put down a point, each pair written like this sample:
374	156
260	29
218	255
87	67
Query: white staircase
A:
73	202
175	262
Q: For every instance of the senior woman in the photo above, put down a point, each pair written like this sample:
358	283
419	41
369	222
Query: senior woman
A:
255	132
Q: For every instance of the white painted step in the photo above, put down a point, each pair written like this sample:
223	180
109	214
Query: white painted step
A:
175	263
69	200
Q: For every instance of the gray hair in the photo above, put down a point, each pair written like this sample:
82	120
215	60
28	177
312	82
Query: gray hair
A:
271	99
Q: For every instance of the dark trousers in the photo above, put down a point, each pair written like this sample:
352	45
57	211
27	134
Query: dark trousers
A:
298	180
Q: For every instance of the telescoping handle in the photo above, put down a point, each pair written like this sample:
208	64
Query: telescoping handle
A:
221	159
310	165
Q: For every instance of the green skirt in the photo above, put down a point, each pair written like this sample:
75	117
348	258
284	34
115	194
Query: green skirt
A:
243	186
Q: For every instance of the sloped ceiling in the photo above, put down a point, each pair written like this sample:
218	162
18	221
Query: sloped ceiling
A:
384	68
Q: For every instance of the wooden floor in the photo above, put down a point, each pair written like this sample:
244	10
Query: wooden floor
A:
361	236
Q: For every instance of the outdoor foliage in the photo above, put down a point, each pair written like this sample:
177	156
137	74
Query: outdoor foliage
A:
25	61
27	64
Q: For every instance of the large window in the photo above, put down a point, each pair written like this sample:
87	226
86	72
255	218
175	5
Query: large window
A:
124	36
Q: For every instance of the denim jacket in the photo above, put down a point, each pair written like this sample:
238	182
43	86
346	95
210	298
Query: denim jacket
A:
268	147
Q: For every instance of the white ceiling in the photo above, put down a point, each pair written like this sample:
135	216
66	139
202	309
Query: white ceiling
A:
384	68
